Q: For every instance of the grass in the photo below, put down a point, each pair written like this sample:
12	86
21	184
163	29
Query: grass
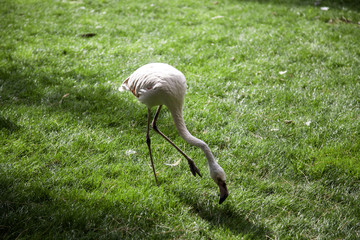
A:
273	88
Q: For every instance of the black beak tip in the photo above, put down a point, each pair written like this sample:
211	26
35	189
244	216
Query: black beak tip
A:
224	193
222	199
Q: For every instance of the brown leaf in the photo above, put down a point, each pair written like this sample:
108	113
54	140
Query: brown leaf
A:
65	96
88	35
344	19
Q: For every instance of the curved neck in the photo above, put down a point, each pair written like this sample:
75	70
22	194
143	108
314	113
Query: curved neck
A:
186	135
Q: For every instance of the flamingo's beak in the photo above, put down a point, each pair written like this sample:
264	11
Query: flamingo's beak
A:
224	193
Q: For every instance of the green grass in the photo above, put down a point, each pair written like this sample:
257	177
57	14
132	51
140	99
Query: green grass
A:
73	158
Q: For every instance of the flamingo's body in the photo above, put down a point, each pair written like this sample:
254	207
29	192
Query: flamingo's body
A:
158	84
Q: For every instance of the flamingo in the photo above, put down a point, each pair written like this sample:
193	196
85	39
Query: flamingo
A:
158	84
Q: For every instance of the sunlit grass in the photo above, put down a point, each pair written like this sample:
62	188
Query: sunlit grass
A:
273	88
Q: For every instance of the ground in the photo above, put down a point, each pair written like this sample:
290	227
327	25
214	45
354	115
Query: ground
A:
273	89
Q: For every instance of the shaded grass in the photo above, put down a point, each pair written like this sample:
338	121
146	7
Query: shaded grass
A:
73	158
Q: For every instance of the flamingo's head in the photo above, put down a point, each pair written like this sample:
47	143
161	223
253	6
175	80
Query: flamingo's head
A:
218	175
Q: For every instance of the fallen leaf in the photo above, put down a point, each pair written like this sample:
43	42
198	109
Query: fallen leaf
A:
130	152
257	136
88	35
216	17
288	121
344	19
65	96
174	164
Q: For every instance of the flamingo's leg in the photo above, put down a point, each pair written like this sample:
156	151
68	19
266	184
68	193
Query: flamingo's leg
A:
148	142
194	170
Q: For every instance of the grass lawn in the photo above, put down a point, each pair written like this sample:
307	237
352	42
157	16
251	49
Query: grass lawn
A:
273	88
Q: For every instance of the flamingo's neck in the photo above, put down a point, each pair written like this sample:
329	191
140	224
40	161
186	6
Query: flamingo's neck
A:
186	135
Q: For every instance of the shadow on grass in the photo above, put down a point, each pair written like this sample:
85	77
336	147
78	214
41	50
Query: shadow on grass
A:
82	96
223	216
6	124
31	211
